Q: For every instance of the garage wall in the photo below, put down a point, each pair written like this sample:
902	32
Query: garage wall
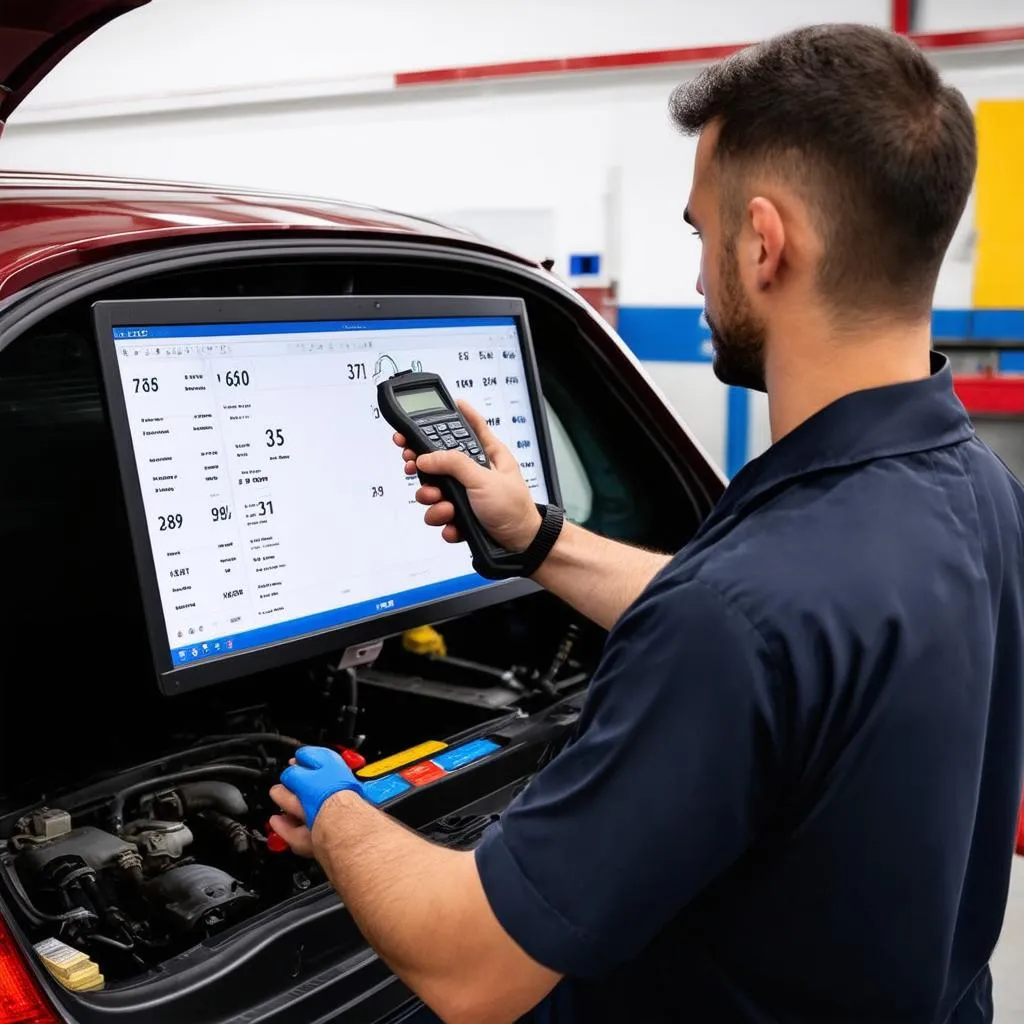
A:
957	16
176	48
303	97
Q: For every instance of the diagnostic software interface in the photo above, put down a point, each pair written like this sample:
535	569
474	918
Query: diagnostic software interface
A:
275	500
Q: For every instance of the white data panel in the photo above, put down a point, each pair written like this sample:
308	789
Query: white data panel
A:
276	503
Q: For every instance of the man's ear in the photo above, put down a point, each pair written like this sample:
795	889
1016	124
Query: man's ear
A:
767	241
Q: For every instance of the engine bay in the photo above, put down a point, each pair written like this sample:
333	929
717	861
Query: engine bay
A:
160	865
139	866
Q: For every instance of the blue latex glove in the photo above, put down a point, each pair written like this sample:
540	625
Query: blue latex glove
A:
319	774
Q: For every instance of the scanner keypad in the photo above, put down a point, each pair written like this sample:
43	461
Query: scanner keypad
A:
454	435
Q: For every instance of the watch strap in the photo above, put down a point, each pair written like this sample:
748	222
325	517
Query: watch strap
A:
552	521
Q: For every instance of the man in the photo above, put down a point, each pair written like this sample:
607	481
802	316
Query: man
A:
792	794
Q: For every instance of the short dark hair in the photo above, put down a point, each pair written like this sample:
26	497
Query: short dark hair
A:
885	152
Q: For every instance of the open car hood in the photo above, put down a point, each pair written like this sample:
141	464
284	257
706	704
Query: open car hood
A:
35	35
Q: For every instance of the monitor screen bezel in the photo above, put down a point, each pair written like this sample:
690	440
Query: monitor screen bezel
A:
108	314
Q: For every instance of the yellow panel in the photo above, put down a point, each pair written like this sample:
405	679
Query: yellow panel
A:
389	764
999	201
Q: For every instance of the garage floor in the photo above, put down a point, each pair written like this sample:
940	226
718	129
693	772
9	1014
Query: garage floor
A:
1008	962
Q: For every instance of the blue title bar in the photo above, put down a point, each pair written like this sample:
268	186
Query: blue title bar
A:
309	624
143	333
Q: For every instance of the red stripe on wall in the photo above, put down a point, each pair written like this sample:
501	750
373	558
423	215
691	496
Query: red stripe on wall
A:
900	17
978	37
601	62
652	58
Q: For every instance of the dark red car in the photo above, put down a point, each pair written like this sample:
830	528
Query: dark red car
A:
132	824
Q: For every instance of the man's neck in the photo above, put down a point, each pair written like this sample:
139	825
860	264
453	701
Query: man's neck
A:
802	379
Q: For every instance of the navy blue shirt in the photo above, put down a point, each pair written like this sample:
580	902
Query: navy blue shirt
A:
793	790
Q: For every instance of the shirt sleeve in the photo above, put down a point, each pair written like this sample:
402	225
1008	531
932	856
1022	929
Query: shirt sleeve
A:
658	792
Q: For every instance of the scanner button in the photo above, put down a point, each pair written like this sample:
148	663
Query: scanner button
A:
429	431
453	425
461	433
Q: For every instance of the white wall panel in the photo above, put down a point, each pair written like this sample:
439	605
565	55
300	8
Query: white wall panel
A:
522	230
535	147
759	433
178	47
557	144
660	257
957	16
699	398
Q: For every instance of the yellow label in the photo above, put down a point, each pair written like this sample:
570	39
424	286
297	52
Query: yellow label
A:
66	963
92	986
389	764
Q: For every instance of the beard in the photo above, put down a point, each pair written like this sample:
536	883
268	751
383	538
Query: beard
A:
737	334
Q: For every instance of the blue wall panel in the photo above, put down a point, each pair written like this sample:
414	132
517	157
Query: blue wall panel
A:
737	430
673	334
951	324
679	334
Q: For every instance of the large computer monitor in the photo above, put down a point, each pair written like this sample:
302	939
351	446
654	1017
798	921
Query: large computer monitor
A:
269	509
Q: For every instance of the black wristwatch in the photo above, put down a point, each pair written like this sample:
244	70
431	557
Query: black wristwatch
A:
552	520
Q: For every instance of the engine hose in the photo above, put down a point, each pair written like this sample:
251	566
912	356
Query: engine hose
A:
175	779
110	915
547	681
353	706
501	676
235	739
107	941
216	794
28	908
234	831
211	746
84	891
130	862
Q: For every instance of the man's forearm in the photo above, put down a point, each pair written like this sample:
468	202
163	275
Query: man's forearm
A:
599	577
423	909
377	866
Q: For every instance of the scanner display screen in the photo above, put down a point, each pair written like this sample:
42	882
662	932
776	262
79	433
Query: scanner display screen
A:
420	400
274	500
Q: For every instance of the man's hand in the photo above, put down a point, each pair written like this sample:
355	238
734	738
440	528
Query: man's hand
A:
291	824
599	577
499	495
314	775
